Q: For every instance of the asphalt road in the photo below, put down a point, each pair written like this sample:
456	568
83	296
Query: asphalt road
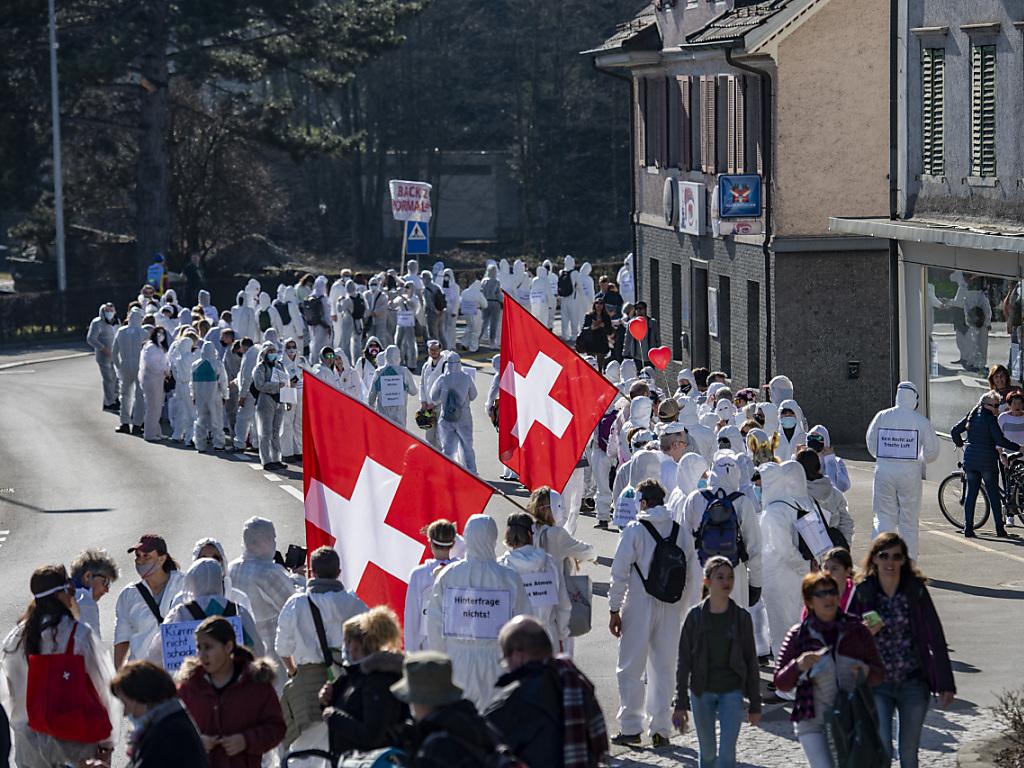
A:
68	482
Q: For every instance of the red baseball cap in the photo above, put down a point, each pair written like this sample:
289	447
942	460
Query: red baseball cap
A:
150	542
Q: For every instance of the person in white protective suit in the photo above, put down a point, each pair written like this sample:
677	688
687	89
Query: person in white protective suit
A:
521	283
644	465
184	352
101	338
783	493
552	292
691	475
432	369
153	371
978	316
702	439
203	301
586	283
647	628
267	379
731	439
286	314
375	317
267	584
441	538
170	298
832	467
474	587
770	413
391	387
451	291
573	308
291	422
674	445
209	389
243	318
209	547
604	458
351	328
412	275
686	385
203	596
366	366
542	577
505	277
540	291
320	334
334	295
126	348
453	391
246	400
902	442
333	369
492	291
252	292
791	429
627	285
406	306
960	326
472	304
780	388
727	478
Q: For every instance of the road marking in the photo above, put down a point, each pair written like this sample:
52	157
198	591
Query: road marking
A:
272	478
292	491
254	465
8	366
976	545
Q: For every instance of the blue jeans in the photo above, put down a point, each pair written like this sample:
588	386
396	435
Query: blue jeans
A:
709	708
910	700
974	480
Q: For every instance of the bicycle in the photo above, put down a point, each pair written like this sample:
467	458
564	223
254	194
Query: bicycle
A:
953	491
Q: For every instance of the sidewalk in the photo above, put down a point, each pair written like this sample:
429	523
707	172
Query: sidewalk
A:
11	357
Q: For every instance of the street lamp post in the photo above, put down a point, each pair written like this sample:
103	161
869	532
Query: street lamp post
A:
58	180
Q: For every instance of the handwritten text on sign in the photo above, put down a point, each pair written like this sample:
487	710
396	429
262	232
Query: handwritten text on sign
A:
410	200
897	444
179	640
476	614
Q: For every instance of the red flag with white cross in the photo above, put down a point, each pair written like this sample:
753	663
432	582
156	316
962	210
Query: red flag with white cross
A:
550	401
369	487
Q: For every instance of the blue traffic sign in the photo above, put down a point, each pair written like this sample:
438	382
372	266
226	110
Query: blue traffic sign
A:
417	238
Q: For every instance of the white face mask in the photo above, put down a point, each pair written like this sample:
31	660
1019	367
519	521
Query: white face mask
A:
108	315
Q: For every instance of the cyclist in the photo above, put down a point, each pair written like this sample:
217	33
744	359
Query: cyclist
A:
1011	421
981	458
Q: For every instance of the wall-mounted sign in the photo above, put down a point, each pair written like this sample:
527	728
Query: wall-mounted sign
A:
691	208
740	227
739	197
668	201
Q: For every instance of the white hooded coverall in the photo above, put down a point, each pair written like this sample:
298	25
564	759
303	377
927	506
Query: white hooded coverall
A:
456	434
268	378
572	306
902	442
472	305
547	593
127	346
101	338
153	370
320	334
209	391
390	388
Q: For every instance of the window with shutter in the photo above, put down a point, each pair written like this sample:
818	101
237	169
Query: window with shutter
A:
730	129
673	110
686	125
933	70
722	124
709	124
983	110
641	121
662	117
741	124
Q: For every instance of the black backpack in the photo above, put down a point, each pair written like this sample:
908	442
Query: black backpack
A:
358	307
719	530
313	310
440	302
199	614
666	578
283	311
565	287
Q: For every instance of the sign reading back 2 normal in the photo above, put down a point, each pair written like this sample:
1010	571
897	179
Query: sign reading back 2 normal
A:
898	444
410	200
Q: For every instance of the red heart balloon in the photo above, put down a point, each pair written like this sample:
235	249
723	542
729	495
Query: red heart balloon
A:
659	357
638	328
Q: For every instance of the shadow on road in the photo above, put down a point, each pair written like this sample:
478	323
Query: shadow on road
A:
971	589
33	508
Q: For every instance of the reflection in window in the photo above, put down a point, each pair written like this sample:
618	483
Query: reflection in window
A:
969	332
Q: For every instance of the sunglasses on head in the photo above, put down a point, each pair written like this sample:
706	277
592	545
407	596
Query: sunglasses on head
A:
896	557
826	592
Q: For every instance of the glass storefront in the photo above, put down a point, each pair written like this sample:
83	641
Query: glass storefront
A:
968	334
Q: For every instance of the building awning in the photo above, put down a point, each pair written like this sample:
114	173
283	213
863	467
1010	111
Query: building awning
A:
953	235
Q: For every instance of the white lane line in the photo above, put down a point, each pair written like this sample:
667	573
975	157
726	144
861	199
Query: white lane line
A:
292	491
976	545
4	532
254	465
272	478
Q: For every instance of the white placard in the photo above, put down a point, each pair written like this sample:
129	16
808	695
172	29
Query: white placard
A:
468	307
541	588
406	318
178	640
897	444
410	200
476	614
392	389
289	395
626	508
811	529
538	297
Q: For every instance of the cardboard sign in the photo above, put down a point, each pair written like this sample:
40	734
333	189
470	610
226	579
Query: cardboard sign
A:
811	529
392	389
898	444
405	318
541	588
178	640
476	614
626	508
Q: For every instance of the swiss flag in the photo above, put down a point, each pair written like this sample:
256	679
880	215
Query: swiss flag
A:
369	488
550	401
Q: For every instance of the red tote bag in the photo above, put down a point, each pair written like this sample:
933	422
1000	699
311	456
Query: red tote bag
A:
62	701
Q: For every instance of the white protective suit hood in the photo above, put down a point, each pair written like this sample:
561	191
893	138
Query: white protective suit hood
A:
585	269
770	411
271	336
185	317
437	269
290	295
266	348
453	363
725	411
542	273
264	301
726	474
734	436
252	290
392	356
570	262
496	363
320	286
645	465
688	412
240	299
628	261
209	542
798	411
351	288
203	298
135	318
783	482
819	429
209	352
259	538
611	371
687	373
204	577
528	559
170	297
712	392
780	388
280	292
690	470
481	537
627	371
906	395
518	269
640	410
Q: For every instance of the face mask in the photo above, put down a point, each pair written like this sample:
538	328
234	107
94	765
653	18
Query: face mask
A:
291	353
702	483
146	569
757	493
684	388
375	288
788	422
816	445
272	356
108	315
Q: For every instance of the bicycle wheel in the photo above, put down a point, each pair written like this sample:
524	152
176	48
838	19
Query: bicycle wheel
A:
951	501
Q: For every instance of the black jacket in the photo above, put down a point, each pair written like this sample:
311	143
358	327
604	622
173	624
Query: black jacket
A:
452	736
528	712
363	708
170	743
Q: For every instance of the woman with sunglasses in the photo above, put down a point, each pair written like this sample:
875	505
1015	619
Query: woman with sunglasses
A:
827	652
894	603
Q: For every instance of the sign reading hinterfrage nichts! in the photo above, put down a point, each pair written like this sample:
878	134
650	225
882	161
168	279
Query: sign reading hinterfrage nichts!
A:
476	614
897	444
179	640
410	200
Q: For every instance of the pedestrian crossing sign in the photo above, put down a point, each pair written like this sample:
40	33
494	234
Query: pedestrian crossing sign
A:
417	238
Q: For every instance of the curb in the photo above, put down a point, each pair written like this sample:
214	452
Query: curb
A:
22	363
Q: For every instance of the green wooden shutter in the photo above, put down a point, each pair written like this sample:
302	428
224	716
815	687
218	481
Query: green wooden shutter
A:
933	71
983	110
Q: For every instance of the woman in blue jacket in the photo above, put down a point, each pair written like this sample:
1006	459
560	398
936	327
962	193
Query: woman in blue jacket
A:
981	459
